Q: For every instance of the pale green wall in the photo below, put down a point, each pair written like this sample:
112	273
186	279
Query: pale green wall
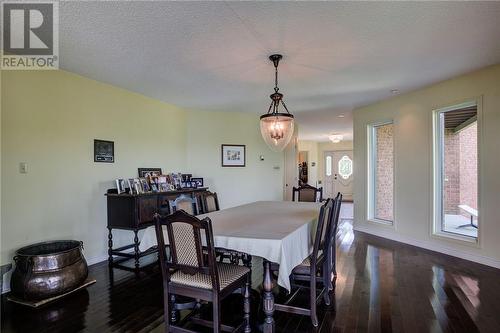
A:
50	119
412	115
259	180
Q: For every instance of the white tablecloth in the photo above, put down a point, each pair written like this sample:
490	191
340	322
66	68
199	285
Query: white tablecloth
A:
279	231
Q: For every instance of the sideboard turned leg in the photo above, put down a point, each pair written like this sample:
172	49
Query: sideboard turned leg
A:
136	249
110	247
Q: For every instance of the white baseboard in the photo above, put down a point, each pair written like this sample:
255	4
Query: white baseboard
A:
432	246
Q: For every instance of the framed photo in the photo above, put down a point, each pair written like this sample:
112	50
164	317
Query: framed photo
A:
104	151
186	180
197	181
144	185
120	186
134	185
193	184
233	155
148	172
137	186
130	183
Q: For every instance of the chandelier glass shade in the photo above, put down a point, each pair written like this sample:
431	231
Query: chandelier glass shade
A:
277	127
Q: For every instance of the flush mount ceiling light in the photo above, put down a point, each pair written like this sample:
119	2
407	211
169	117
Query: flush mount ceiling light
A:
336	138
276	127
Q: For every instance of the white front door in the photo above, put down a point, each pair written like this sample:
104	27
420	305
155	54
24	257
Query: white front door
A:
338	174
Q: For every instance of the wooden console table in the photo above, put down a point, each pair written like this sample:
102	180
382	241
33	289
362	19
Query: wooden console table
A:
134	212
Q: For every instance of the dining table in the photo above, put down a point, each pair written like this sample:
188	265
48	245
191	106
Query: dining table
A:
280	232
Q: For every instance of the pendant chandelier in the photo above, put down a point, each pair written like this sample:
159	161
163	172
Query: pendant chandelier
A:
276	127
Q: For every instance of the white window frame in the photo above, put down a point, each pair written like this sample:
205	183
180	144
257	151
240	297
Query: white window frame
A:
371	195
438	172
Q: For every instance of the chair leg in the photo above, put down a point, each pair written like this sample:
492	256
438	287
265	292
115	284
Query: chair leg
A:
174	314
312	296
334	262
326	283
246	305
166	313
332	273
329	268
216	315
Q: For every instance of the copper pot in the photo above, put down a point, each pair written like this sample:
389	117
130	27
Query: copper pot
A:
48	269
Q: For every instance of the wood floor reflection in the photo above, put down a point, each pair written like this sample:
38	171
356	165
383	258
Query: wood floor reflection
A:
382	286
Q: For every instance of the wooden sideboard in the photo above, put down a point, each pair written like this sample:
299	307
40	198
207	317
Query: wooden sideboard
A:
134	212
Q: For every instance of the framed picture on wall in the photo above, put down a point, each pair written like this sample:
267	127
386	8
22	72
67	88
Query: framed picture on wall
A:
104	151
233	155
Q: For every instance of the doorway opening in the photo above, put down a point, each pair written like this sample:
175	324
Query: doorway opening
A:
338	174
303	167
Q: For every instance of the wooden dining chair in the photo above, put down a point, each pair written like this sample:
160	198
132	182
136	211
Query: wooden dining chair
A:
186	203
313	269
307	193
193	272
209	202
332	250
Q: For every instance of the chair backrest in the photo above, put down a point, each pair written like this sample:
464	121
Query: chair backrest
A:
209	202
185	233
335	218
186	203
322	239
308	193
336	215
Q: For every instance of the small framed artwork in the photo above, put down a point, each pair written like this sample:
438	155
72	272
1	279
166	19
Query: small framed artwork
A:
197	181
104	151
193	184
233	155
148	172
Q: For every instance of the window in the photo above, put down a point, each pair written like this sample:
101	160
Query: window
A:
456	171
345	167
381	172
328	165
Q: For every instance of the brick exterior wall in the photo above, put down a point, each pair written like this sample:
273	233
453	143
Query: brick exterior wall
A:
468	166
451	188
460	167
384	173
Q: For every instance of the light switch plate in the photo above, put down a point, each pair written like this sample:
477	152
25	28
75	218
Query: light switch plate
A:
23	167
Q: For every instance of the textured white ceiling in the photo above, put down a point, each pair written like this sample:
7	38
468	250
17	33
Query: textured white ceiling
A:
337	55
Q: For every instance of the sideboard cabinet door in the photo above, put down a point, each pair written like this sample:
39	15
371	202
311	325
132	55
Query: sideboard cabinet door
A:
148	207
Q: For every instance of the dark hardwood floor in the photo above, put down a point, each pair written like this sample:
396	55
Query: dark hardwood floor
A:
382	286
